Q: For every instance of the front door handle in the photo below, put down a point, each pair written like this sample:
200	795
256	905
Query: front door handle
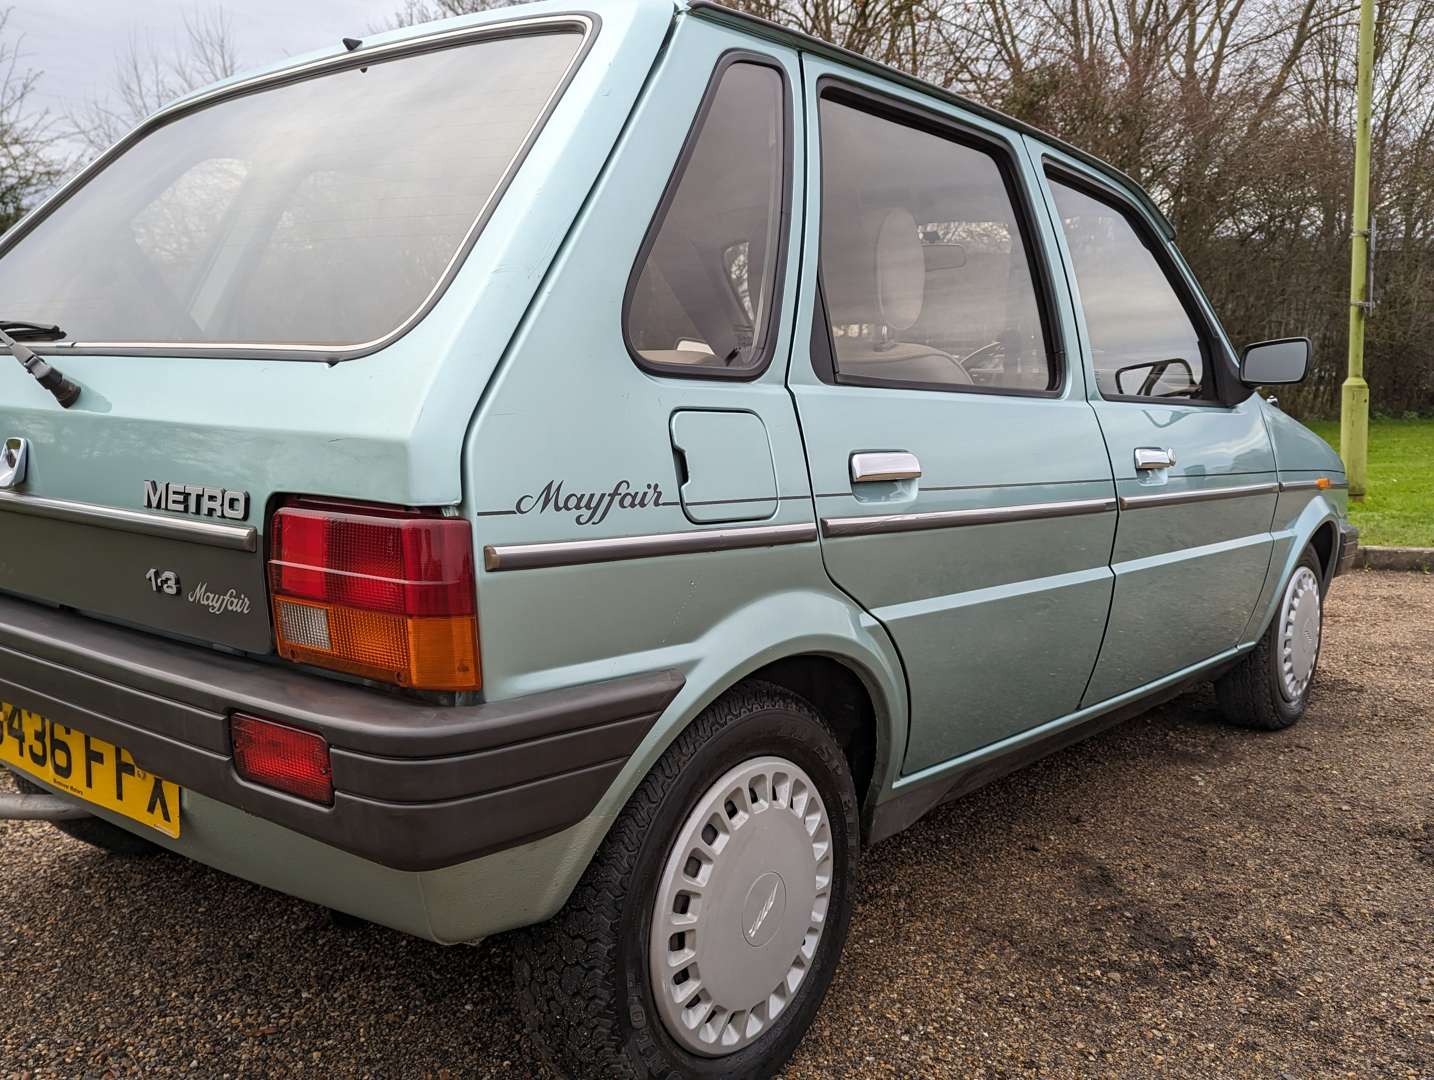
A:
13	454
1154	457
877	465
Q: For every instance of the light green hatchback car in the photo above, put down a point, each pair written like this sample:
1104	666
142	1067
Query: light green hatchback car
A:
595	471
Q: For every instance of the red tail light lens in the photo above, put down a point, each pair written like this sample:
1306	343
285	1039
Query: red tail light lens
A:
376	591
282	757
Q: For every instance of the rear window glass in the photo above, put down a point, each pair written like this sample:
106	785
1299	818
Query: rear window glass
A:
322	212
702	301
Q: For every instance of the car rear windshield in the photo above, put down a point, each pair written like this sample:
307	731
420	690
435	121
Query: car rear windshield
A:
323	212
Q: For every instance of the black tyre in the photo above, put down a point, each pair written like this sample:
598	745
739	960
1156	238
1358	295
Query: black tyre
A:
702	938
1269	689
92	830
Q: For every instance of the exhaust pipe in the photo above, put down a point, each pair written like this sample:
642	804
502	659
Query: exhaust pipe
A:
26	807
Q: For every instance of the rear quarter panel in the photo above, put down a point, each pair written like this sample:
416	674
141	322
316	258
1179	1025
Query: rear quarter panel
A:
569	405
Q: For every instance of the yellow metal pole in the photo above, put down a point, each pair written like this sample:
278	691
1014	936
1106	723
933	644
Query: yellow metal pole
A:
1354	398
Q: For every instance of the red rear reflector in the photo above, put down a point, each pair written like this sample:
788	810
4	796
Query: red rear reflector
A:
376	591
282	757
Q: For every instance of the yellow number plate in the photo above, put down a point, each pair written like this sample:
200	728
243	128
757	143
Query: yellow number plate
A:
89	768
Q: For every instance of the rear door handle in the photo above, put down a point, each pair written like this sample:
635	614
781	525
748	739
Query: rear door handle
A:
877	465
1154	457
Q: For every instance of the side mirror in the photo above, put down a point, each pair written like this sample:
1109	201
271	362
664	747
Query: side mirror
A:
1276	363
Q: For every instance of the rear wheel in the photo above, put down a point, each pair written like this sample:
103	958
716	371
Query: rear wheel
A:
1269	689
702	938
93	831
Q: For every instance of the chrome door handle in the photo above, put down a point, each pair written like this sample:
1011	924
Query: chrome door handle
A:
13	454
884	465
1154	457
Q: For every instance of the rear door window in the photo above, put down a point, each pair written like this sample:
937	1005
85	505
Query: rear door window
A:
321	212
703	294
925	260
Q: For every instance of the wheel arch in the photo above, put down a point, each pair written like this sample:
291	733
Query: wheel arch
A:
1316	526
1325	541
843	664
838	691
815	642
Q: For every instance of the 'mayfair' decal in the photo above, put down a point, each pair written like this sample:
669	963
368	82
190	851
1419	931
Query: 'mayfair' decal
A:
589	507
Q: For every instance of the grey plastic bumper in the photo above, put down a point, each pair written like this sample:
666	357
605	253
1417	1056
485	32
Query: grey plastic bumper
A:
416	786
1348	549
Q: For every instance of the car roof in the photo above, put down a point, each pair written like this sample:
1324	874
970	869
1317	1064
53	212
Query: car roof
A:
742	21
797	39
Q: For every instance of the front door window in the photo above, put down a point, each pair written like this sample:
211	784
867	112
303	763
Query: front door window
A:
1143	342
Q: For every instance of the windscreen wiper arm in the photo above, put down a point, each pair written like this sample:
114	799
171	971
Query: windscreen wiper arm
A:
51	378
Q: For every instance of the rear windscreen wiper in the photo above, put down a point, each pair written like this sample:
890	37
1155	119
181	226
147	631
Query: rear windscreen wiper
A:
51	378
31	331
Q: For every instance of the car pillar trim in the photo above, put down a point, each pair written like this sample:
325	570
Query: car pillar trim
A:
1177	498
613	549
835	527
211	533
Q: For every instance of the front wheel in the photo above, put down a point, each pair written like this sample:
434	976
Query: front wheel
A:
1270	688
702	938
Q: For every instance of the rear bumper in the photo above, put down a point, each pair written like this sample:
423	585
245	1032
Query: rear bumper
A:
1348	549
416	786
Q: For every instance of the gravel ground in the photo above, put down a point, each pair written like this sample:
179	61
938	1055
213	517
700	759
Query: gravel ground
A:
1172	896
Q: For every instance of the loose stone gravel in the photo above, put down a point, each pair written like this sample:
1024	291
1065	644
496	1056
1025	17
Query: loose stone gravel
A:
1173	896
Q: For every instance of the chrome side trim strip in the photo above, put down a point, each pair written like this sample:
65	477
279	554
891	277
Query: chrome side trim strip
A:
211	533
1313	485
612	549
951	519
1177	498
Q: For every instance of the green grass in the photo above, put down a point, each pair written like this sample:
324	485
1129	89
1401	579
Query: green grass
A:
1398	508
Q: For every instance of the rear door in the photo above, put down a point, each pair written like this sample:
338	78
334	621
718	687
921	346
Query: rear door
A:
1195	472
963	489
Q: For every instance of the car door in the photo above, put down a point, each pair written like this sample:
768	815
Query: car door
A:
963	489
1194	469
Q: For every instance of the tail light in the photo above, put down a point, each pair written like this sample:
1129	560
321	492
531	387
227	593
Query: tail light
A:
382	592
282	757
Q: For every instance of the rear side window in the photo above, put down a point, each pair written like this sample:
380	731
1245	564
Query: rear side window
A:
703	294
322	212
925	264
1142	339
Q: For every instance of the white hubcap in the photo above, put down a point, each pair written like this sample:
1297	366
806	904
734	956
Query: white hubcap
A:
741	906
1299	634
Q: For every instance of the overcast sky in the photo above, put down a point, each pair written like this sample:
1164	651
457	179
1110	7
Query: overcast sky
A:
73	44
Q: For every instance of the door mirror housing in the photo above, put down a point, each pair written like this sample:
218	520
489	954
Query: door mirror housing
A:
1276	363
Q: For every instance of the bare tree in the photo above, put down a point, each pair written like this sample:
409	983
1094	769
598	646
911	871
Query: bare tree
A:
28	167
149	77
